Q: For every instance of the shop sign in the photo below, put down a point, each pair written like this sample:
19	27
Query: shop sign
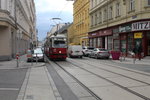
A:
93	34
105	32
145	25
138	35
125	28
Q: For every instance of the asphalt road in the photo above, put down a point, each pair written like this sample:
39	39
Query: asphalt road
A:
10	83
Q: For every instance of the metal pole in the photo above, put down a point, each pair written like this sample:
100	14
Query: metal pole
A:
134	58
17	63
17	59
36	58
32	57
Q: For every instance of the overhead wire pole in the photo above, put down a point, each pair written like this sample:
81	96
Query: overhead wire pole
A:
56	23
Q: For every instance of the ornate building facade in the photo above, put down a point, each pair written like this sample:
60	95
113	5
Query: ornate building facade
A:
120	24
17	27
81	21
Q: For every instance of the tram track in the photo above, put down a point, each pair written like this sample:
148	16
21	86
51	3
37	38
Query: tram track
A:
80	83
116	84
75	79
116	73
117	66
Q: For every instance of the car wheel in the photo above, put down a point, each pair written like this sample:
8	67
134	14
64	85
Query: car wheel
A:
70	56
89	56
107	58
96	56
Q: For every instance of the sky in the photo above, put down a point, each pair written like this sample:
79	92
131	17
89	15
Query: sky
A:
48	9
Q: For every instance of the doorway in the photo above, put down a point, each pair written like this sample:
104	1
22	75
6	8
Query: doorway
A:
148	45
103	42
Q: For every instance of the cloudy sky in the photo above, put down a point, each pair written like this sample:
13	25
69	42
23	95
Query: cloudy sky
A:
47	9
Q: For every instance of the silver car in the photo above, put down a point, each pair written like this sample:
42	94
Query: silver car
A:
38	55
87	51
100	53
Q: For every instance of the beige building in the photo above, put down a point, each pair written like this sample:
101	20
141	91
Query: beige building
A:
81	21
17	27
71	39
120	24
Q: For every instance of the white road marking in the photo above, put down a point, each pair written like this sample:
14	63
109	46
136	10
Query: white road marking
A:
9	89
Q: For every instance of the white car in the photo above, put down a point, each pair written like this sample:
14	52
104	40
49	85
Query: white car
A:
75	51
35	55
87	51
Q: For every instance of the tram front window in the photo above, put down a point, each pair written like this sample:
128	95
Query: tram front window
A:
59	44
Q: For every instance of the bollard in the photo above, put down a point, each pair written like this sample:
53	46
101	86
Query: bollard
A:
17	59
134	58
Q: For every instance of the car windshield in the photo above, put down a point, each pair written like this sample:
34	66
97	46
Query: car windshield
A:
102	49
38	51
59	44
90	48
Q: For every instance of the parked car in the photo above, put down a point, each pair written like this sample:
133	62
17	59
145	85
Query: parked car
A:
87	51
75	51
29	55
100	53
37	55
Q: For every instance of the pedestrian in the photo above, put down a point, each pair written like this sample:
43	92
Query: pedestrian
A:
139	51
134	51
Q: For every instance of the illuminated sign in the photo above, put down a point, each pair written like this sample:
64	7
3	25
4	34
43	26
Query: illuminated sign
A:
145	25
138	35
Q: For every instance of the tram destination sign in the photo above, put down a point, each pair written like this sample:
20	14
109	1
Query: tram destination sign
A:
144	25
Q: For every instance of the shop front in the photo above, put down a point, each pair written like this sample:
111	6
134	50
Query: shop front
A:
132	35
101	39
141	32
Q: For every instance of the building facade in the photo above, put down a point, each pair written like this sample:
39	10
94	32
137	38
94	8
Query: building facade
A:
120	25
70	36
17	27
81	21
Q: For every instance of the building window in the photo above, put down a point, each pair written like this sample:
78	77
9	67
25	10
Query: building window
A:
110	12
92	21
116	44
105	15
117	9
91	3
95	19
100	17
0	4
148	2
132	5
95	2
130	42
109	42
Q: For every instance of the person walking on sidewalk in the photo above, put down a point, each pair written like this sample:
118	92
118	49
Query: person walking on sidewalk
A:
137	51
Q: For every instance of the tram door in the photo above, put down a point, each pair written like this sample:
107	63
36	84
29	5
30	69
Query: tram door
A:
148	41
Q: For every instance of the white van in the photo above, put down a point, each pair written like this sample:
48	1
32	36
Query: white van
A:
75	51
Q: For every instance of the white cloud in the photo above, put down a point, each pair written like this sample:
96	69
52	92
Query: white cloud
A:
43	6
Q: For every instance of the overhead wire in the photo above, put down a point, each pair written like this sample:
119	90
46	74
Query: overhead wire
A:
62	9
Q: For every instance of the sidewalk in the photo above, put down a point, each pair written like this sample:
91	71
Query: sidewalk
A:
38	84
144	61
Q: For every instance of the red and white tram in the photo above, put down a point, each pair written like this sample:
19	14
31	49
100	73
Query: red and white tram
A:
56	47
